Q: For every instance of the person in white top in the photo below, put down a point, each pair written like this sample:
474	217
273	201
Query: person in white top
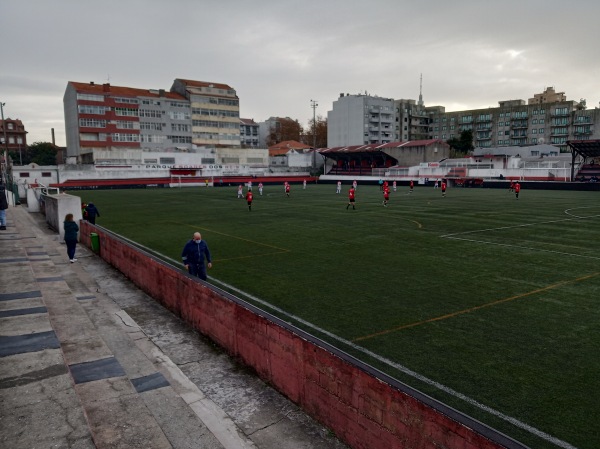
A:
240	191
339	187
260	187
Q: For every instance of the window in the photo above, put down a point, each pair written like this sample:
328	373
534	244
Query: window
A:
90	97
126	100
542	121
179	115
167	160
541	131
130	112
534	131
10	126
46	174
180	139
152	138
124	124
121	137
180	127
24	174
87	109
92	123
149	113
151	126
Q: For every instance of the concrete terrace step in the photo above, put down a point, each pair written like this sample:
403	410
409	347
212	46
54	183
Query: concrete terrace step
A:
89	361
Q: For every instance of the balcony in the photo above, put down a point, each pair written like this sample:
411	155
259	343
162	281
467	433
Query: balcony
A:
483	119
519	124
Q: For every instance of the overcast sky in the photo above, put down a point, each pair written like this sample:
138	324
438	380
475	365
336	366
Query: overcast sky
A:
280	54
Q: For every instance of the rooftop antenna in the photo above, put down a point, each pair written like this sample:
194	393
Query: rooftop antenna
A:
420	103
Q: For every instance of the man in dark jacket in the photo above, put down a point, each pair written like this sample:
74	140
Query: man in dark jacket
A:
193	255
92	213
3	207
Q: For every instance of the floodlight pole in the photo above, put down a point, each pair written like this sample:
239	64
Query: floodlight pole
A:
313	105
5	141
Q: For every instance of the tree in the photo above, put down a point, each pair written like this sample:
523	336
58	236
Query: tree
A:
320	130
462	145
284	129
41	153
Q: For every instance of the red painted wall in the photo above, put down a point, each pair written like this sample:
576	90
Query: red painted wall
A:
359	408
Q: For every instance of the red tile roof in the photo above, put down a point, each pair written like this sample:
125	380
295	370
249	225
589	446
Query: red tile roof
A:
193	83
102	89
375	147
248	121
286	146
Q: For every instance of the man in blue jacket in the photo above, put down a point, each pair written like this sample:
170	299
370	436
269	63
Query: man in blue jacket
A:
193	255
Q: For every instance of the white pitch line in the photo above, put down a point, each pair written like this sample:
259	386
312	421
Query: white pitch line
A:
515	422
575	217
408	371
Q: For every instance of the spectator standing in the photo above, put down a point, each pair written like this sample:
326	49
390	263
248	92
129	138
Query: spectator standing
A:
92	213
3	207
71	230
193	255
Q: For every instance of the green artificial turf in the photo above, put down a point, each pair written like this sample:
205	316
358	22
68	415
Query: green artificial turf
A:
491	297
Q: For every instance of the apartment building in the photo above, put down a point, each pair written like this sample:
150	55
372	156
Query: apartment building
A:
547	118
215	111
101	117
361	120
515	123
249	133
12	134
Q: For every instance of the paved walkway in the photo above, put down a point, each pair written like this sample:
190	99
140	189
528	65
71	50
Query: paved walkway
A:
89	361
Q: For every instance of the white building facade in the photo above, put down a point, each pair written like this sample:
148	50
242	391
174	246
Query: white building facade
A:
361	120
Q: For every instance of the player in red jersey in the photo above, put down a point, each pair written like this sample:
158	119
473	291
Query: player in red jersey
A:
249	198
517	189
443	187
351	198
287	189
386	196
412	186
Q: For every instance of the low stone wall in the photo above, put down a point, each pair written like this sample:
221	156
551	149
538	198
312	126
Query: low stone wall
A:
362	406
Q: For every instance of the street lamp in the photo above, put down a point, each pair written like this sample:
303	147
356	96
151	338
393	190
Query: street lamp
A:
313	105
5	140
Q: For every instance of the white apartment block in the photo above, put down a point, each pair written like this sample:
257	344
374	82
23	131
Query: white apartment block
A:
215	112
361	120
547	118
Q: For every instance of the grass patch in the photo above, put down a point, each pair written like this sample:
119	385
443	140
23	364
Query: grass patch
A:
492	297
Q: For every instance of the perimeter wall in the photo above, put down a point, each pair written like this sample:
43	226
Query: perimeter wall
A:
364	407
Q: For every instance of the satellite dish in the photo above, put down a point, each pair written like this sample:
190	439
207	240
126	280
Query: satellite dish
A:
541	140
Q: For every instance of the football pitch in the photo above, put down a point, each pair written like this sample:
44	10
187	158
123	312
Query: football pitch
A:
488	303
